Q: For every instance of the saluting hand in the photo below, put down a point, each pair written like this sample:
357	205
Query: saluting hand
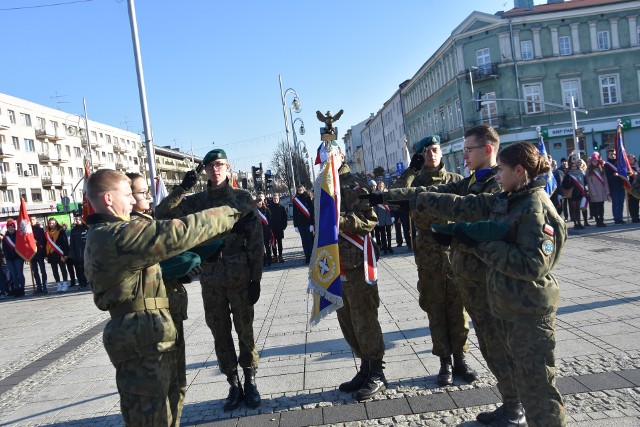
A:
190	179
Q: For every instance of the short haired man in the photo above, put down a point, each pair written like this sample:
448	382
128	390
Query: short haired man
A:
303	220
121	263
15	263
230	284
616	187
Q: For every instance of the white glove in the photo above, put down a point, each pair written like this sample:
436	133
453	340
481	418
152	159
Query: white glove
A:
296	229
393	219
311	228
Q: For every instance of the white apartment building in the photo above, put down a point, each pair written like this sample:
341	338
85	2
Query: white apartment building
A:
43	150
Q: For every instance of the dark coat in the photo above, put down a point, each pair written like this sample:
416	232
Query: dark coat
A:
9	252
77	242
63	244
278	219
266	228
300	219
41	243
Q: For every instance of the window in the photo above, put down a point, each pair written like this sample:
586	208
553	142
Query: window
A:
4	167
70	169
571	88
76	151
7	196
442	120
489	111
16	142
50	194
108	138
36	195
565	45
609	89
450	111
68	150
526	47
483	57
2	139
603	40
458	112
19	169
533	92
79	172
54	124
42	123
12	116
25	119
33	168
110	155
46	170
29	145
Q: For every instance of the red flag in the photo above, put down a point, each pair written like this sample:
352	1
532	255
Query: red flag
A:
87	209
25	242
234	183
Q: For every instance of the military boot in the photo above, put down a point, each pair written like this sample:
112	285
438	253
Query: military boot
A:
375	383
235	392
358	381
445	376
251	394
506	415
461	369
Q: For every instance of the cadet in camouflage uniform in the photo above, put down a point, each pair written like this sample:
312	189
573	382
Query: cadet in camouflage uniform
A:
231	284
121	263
635	188
522	292
358	317
439	297
481	144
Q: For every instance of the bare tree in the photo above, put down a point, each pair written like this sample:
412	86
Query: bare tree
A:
281	166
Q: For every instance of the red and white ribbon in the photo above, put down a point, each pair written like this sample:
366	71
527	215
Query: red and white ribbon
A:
366	246
53	244
301	207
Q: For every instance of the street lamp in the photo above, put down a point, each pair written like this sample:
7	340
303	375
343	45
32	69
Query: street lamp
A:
296	145
306	156
296	106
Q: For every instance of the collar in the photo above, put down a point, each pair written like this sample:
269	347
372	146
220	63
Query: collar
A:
98	218
141	215
482	173
439	172
344	169
221	192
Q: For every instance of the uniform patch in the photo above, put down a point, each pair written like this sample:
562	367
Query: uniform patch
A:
547	247
548	230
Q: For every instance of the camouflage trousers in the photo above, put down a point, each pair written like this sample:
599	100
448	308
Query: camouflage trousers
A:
358	317
143	385
220	304
490	338
178	385
531	343
442	302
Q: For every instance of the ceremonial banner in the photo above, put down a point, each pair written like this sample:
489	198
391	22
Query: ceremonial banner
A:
551	184
623	165
87	209
25	244
161	190
324	268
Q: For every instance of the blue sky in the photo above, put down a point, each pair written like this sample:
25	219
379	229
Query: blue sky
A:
211	66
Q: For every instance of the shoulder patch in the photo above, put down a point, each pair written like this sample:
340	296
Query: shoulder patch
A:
547	247
548	230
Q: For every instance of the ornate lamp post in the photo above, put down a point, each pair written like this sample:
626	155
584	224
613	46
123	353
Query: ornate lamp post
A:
295	105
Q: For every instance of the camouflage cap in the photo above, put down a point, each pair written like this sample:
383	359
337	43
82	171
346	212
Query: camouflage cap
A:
427	141
217	154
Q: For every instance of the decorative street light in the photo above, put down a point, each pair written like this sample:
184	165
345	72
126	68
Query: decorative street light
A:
295	105
306	156
296	145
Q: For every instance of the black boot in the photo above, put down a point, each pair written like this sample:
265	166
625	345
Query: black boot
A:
461	369
235	392
375	383
505	415
445	376
358	381
251	393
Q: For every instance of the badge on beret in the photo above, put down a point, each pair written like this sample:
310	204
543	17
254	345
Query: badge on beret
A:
547	247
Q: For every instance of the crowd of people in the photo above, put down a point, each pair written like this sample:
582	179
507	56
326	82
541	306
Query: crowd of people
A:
62	249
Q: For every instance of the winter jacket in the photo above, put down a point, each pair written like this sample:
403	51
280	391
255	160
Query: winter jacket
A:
279	219
598	185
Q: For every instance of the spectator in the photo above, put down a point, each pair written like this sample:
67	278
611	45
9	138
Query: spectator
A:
596	181
563	169
583	168
14	262
5	279
77	242
37	262
574	186
383	229
278	224
303	220
556	196
57	249
616	187
265	217
633	203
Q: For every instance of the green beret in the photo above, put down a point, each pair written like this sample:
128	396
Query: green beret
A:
482	231
427	141
206	250
217	154
179	265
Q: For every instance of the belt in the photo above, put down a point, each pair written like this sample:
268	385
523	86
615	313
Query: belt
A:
139	305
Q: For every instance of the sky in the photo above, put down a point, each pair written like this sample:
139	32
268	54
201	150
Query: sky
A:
211	66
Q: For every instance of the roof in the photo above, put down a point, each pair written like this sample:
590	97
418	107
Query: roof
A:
556	7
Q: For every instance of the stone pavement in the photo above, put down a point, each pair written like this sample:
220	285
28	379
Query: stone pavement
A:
54	370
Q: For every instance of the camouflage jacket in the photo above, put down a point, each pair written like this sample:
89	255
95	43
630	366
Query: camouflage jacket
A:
635	187
242	252
518	274
429	254
356	216
121	262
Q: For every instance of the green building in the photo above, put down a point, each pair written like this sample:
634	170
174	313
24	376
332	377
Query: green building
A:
585	49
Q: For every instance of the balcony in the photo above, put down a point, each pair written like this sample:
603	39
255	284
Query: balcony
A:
483	72
8	178
58	134
119	148
4	122
122	166
59	158
7	150
44	157
142	152
499	122
48	132
52	180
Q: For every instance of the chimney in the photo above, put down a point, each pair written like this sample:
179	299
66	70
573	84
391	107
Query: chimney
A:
523	4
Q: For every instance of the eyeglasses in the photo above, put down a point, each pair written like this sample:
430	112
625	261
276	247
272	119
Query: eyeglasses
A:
143	193
216	166
467	150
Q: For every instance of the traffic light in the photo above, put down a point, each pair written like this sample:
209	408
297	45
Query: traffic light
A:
596	146
479	101
268	180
